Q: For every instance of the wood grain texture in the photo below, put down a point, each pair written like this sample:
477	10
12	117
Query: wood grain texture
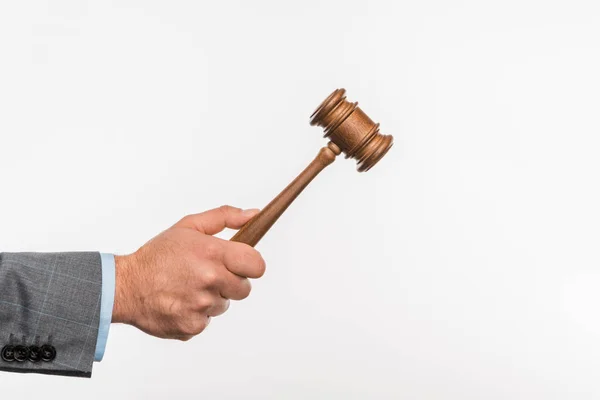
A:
351	131
256	228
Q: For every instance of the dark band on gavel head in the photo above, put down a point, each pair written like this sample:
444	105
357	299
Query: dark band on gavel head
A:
349	128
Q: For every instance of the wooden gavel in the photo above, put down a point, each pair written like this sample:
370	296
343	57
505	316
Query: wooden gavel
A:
350	131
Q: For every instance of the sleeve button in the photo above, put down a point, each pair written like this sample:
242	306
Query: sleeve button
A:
35	354
48	353
8	353
21	353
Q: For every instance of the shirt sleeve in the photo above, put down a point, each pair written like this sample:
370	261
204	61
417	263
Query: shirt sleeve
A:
106	304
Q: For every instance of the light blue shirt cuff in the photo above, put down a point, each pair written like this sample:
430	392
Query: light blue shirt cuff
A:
106	304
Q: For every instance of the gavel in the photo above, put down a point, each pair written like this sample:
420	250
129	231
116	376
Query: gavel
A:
350	131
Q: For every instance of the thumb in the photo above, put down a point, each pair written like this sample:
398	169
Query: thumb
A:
214	221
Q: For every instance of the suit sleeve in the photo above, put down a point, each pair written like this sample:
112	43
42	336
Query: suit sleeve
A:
49	312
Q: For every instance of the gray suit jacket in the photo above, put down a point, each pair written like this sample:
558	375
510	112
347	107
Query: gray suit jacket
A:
49	312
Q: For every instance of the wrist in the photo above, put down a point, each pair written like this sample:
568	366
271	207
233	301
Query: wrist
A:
122	308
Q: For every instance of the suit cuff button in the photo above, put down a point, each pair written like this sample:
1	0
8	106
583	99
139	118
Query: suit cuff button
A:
35	354
48	353
8	353
21	353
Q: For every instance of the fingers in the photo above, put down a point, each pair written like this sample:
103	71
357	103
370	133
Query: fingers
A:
220	306
238	258
243	260
214	221
235	287
177	281
215	270
216	278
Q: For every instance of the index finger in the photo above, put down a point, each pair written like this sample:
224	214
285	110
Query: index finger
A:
243	260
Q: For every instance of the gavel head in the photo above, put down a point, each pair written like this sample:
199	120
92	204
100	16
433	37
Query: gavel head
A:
349	128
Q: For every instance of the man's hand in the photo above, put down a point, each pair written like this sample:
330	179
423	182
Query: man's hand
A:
172	285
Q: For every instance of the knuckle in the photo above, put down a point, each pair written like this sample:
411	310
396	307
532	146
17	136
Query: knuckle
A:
186	220
225	208
204	302
210	277
212	250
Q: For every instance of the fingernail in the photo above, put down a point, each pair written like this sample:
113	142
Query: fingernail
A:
249	212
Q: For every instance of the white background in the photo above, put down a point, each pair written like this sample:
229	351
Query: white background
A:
464	266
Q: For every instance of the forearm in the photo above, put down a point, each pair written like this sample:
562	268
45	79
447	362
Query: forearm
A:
50	299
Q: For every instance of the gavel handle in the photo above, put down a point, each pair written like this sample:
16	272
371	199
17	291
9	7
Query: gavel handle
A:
256	228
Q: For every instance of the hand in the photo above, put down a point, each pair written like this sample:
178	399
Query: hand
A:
176	282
